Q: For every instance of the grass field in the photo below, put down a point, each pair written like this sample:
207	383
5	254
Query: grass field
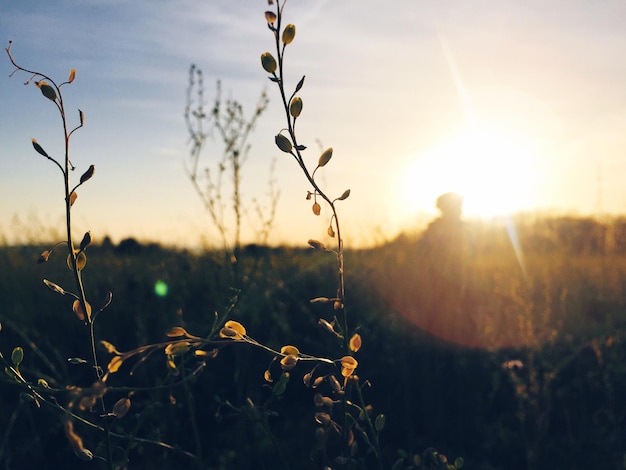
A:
530	373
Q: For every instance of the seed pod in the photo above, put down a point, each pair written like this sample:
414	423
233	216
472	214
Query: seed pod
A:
280	386
175	332
283	143
177	349
54	287
295	108
355	342
316	244
289	33
289	350
379	422
121	407
114	364
47	90
86	241
109	347
17	356
270	16
325	157
43	257
317	209
72	76
39	149
288	362
345	195
77	307
88	174
268	62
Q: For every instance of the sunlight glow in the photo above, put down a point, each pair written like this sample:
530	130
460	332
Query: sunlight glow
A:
494	168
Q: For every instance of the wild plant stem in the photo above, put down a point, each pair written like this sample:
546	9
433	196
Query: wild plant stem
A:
192	417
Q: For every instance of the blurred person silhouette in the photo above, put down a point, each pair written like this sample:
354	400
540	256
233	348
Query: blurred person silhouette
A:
441	267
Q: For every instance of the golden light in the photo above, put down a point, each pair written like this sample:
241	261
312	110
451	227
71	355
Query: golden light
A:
494	168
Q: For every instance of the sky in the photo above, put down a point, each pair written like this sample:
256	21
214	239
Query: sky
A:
519	106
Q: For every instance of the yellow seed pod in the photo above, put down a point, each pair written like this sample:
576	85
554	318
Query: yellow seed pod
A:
176	349
115	364
77	307
289	33
325	157
295	108
288	362
270	16
289	350
355	342
268	62
233	330
349	362
317	209
175	332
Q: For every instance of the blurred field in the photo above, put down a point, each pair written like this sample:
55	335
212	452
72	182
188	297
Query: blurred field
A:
531	372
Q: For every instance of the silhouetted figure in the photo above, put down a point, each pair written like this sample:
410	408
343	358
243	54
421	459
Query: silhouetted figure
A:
441	263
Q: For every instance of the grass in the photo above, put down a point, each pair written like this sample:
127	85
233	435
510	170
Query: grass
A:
459	400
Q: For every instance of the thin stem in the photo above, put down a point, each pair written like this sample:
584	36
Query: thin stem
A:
192	417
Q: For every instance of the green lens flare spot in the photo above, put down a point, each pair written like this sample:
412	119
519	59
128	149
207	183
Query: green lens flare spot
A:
160	288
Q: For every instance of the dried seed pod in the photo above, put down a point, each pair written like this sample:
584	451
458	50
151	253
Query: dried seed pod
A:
55	287
317	209
270	16
17	356
288	362
39	149
77	307
47	90
72	76
289	350
289	33
86	241
43	257
325	157
88	174
295	107
109	347
176	331
233	330
177	349
345	195
121	407
114	364
355	342
283	143
316	244
268	62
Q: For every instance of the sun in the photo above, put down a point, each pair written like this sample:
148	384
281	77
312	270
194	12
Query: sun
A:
494	168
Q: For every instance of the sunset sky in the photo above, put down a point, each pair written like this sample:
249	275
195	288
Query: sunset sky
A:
519	106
